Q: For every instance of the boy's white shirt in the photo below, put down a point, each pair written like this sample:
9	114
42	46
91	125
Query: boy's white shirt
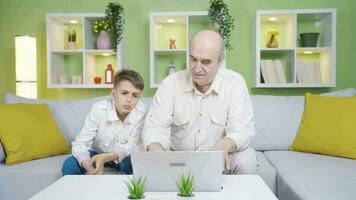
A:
104	132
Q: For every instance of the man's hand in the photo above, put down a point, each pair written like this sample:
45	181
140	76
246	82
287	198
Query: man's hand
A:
226	145
154	146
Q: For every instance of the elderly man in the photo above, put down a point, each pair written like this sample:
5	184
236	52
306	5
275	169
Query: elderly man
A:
205	107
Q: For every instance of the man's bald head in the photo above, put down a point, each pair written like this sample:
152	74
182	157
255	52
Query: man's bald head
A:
206	53
209	39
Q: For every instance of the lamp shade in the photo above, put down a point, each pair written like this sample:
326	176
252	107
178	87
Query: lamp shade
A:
26	66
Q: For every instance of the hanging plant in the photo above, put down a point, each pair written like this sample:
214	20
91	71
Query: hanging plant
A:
220	17
115	15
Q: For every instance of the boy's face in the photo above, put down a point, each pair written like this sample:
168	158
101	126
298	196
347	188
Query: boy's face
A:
125	97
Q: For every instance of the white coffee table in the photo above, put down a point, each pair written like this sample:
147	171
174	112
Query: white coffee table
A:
112	187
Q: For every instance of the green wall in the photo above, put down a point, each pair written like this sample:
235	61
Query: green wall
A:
19	17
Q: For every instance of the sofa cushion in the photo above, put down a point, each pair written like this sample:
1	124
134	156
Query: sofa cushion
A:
28	131
305	176
278	118
69	114
267	172
328	126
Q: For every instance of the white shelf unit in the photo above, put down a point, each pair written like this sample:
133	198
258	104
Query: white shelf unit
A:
290	24
85	61
182	26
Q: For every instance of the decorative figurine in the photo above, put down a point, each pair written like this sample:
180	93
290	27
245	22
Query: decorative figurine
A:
172	42
272	40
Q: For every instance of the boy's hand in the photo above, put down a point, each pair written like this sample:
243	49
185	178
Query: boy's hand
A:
87	165
100	160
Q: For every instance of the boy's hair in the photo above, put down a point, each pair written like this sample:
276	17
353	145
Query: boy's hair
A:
131	76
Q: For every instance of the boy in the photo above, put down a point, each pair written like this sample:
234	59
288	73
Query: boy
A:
112	130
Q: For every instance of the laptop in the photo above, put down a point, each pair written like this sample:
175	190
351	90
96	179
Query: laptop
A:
163	168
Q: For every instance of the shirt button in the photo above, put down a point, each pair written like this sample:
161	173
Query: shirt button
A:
200	114
199	131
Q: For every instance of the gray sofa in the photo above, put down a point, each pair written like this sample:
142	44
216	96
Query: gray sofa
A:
290	175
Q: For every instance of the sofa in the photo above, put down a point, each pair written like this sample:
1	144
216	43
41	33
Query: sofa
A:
290	175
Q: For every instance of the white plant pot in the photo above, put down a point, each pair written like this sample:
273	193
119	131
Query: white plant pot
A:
144	198
72	45
185	198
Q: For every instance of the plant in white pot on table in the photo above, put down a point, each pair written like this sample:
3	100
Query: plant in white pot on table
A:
136	187
185	185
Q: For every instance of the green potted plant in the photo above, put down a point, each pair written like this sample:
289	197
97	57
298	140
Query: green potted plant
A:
185	185
115	15
221	18
102	27
136	187
71	38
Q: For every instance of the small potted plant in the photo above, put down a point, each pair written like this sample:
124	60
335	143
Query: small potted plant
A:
222	19
72	38
102	27
185	185
136	187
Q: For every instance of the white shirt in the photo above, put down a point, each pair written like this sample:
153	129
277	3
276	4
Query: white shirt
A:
103	131
183	118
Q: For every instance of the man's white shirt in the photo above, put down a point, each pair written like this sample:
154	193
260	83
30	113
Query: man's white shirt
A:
183	118
103	131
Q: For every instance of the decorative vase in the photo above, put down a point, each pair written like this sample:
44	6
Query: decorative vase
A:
309	39
272	41
72	45
103	41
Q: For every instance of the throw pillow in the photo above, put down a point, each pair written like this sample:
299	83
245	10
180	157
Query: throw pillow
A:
28	131
328	126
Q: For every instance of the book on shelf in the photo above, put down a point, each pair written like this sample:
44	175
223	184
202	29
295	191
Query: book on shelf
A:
273	71
308	72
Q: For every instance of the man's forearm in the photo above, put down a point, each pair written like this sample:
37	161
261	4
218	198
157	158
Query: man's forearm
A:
154	146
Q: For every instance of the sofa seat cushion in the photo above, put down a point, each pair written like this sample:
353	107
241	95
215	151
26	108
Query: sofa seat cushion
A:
305	176
24	180
267	172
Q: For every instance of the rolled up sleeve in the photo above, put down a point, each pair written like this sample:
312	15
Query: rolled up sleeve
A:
80	147
160	116
240	124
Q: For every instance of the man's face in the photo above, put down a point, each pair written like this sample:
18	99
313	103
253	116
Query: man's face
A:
125	97
203	62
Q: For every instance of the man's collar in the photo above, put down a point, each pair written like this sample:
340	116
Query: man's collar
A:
215	85
189	85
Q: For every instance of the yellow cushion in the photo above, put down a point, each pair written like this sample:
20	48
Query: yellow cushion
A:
28	131
328	126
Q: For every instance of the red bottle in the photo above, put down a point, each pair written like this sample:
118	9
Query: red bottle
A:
109	75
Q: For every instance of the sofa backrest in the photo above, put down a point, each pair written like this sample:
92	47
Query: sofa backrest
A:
278	117
69	114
